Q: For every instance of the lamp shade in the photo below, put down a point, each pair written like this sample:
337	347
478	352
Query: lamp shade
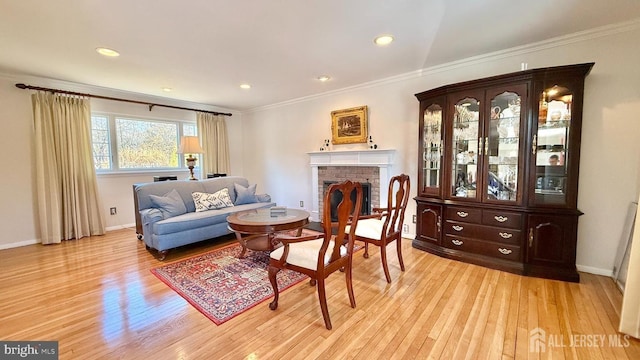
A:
190	145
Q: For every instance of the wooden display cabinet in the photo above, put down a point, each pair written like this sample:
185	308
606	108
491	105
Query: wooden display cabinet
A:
498	171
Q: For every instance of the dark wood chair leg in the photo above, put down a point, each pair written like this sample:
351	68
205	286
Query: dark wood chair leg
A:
273	271
366	250
347	275
399	247
383	257
322	296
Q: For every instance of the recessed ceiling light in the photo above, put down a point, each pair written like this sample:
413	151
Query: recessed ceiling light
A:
167	89
323	78
383	40
107	52
245	86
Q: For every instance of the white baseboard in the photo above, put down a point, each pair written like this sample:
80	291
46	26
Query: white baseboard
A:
595	270
33	242
408	236
19	244
120	227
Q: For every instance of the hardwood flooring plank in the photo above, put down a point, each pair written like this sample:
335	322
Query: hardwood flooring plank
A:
99	299
464	314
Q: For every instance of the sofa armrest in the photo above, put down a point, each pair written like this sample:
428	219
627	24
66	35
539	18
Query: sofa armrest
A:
149	217
263	197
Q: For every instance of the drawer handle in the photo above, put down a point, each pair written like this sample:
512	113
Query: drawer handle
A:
462	214
457	242
505	235
457	227
501	218
505	251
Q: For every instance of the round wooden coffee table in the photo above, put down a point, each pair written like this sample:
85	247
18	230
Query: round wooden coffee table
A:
256	229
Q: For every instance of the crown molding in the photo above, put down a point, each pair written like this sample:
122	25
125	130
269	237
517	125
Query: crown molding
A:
590	34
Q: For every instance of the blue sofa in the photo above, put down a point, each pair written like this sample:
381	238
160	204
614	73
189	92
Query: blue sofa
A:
168	210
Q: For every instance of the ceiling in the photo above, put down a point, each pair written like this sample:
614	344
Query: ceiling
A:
205	50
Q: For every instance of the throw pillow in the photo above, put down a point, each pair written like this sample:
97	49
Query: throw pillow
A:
218	200
263	197
170	204
245	195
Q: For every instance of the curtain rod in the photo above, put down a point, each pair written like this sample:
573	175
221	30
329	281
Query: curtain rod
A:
151	105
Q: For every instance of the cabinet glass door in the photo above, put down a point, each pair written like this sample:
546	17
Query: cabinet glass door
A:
502	148
551	144
464	158
432	148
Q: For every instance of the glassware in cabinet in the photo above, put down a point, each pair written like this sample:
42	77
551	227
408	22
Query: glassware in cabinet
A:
465	148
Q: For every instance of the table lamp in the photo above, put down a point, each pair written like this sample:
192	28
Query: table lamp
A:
190	145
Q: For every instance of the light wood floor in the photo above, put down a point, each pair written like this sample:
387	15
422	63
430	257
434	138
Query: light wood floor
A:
97	297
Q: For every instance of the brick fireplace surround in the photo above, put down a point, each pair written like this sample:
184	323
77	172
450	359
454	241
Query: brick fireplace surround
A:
364	166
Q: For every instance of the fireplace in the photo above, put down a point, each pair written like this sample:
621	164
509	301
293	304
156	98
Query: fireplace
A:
366	166
336	198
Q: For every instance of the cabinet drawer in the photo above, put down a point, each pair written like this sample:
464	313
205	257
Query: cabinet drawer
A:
489	233
502	235
502	219
455	228
464	214
496	250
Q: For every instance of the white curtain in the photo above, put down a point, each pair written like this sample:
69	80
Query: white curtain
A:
67	193
630	314
212	131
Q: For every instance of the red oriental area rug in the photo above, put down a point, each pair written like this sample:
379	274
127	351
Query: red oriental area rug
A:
220	285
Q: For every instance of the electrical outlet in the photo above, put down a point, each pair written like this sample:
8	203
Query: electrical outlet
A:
405	228
414	219
113	211
301	203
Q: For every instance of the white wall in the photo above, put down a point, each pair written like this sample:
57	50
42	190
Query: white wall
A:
278	137
17	214
269	146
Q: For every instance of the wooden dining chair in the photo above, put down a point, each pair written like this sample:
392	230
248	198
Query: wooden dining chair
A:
385	224
317	256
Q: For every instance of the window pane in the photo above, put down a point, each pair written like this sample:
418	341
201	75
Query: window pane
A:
100	141
146	144
189	130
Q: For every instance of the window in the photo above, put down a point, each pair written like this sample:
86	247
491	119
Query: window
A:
126	143
100	139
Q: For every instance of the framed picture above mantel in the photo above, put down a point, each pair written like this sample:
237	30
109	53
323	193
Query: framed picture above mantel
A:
349	126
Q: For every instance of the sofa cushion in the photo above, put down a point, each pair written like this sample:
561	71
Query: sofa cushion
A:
170	204
245	195
216	184
218	200
195	220
263	198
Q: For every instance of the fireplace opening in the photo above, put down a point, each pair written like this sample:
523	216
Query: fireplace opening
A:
336	197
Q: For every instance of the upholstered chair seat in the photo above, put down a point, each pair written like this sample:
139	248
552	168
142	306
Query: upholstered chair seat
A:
305	254
370	228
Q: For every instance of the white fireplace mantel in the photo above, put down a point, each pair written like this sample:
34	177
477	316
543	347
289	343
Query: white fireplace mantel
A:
383	159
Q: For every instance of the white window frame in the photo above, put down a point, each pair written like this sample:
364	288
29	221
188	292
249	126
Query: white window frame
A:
113	146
